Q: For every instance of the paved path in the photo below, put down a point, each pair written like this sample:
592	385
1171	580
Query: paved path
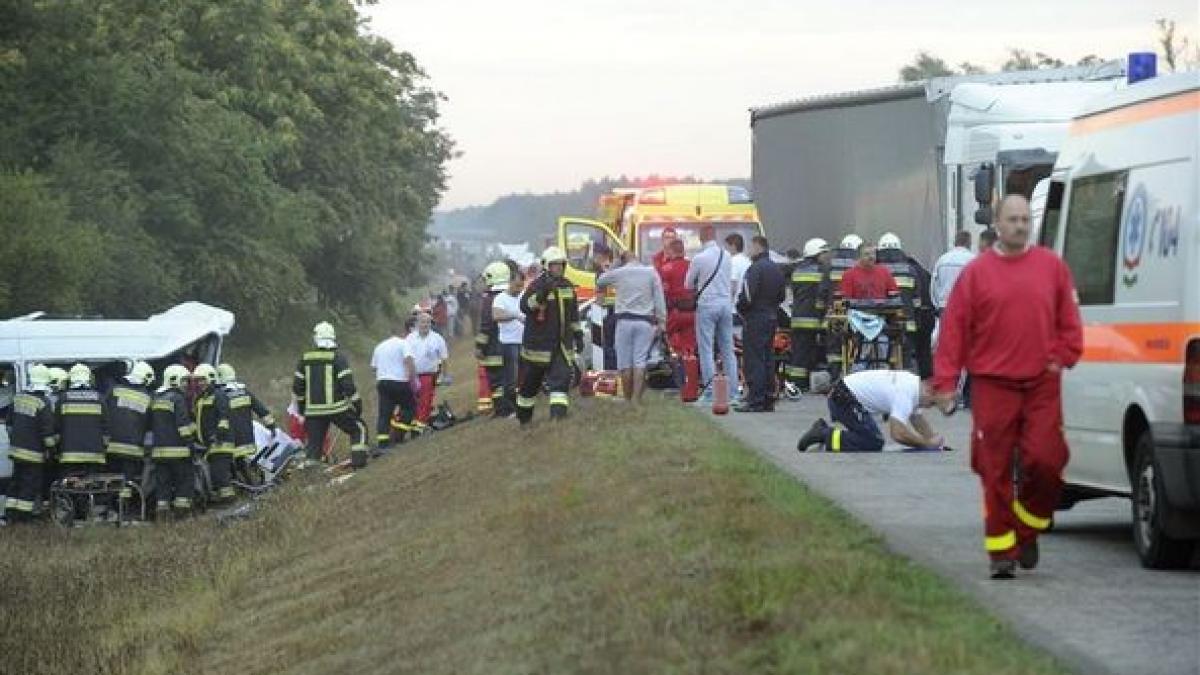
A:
1089	602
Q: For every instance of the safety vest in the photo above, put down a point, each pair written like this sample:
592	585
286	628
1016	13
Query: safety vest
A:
81	423
242	406
324	384
172	426
552	319
810	286
128	420
31	434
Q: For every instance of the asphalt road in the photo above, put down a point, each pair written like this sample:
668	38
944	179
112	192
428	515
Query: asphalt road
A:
1089	602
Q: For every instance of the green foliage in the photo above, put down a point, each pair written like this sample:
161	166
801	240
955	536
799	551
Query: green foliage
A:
253	154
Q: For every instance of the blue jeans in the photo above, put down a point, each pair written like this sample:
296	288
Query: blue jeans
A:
714	326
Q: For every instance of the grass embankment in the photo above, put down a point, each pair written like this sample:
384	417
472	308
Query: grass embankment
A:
628	541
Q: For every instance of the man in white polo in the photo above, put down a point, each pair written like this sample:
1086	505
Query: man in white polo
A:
394	373
856	399
429	354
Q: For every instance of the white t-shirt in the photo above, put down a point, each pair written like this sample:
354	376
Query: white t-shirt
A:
510	331
886	392
738	266
428	352
388	359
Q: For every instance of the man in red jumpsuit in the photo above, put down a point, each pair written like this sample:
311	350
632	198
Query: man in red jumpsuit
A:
867	280
663	255
681	323
1013	323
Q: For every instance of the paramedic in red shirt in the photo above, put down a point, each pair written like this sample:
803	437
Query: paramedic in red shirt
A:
663	255
868	281
681	322
1013	323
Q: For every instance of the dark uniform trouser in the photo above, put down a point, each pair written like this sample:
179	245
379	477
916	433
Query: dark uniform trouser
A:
833	353
610	338
315	428
757	336
129	467
858	432
493	363
805	355
392	393
176	483
512	362
26	490
220	469
557	376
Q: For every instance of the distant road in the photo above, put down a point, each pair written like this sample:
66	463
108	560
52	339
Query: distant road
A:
1090	602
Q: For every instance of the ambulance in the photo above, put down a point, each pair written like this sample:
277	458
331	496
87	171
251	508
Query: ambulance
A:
634	219
1122	210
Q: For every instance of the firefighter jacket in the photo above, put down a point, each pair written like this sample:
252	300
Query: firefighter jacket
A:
128	412
843	259
487	339
211	417
81	426
172	426
240	408
905	271
552	320
810	294
324	385
31	432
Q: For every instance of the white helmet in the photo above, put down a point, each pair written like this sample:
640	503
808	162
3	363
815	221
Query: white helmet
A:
80	376
496	276
553	254
206	372
226	374
58	378
815	246
890	240
39	377
141	373
174	376
324	336
851	241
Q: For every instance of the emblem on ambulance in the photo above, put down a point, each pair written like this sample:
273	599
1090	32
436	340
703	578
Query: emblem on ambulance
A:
1135	235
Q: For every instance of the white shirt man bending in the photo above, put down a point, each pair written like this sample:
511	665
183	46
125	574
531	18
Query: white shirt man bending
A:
858	398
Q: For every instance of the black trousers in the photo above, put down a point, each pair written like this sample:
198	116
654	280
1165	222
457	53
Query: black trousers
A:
858	432
176	483
805	356
26	490
129	467
757	359
610	339
556	375
220	469
392	394
315	428
508	378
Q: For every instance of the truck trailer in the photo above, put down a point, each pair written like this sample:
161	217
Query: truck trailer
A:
922	159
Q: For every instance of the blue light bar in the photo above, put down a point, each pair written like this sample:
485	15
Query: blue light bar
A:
1142	66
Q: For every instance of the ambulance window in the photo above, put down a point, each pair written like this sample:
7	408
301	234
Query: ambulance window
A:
1051	215
1093	230
583	241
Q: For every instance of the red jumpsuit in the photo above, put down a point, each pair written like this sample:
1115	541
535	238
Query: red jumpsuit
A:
1013	323
681	325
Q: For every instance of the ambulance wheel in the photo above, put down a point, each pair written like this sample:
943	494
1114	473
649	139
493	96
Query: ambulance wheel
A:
1155	547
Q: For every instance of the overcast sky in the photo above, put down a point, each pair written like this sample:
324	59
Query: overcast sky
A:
546	93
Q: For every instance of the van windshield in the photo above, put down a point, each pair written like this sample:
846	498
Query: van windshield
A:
650	236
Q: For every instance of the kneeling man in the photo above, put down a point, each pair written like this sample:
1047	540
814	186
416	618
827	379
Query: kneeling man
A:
855	399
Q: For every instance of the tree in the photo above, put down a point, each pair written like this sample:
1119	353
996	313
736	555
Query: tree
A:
925	66
1178	52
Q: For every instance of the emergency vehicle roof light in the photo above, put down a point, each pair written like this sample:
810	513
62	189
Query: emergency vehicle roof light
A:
1142	66
739	195
656	196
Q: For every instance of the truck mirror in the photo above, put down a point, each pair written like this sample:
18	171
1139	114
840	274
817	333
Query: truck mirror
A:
984	178
983	215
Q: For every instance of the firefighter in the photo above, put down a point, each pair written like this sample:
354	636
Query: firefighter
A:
241	408
58	382
842	260
810	293
552	337
912	280
488	350
324	388
31	441
174	442
81	424
212	430
128	413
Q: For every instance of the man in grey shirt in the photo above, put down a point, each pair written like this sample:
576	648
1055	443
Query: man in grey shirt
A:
640	311
711	276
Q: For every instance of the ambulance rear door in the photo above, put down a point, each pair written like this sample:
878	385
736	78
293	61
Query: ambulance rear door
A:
581	238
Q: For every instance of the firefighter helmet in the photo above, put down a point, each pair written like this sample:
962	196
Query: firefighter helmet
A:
891	241
174	376
553	254
58	378
496	276
851	241
226	374
324	336
141	373
39	377
205	372
815	246
80	376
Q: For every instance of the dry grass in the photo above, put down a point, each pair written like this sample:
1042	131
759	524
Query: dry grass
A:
628	541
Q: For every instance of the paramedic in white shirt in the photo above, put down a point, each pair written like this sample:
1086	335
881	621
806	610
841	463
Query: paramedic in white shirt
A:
394	374
948	267
429	354
506	311
739	262
857	398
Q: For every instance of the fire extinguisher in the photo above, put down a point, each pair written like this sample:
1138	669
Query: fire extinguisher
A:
483	391
690	391
720	385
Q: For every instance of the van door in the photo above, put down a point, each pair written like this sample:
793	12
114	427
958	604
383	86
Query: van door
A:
580	239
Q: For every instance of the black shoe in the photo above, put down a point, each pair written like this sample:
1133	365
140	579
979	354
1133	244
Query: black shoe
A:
814	436
750	408
1004	569
1029	555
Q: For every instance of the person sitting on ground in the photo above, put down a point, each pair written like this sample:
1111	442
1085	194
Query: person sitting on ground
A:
868	280
896	395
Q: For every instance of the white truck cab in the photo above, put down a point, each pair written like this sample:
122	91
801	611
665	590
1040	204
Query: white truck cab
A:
1122	210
